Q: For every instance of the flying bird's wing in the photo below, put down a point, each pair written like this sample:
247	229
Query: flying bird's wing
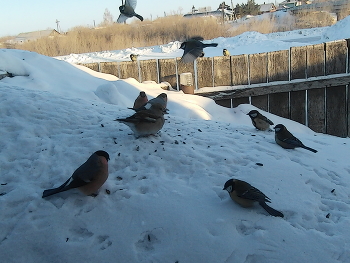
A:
191	55
197	38
122	18
131	3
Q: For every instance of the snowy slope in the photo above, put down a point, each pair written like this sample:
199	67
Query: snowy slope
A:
166	202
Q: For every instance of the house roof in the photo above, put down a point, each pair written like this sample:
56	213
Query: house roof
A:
36	34
267	7
210	13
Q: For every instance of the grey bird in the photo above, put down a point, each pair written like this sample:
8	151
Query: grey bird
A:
259	121
127	10
246	195
193	48
286	140
88	178
161	99
140	101
146	122
225	52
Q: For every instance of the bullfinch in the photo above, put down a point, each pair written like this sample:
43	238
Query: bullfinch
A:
146	122
88	178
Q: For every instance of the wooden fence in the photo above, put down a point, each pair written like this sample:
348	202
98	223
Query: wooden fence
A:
308	84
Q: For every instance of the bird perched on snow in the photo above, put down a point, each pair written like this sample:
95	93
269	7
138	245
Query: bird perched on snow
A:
133	57
146	122
127	10
225	52
88	178
193	48
161	99
259	121
140	100
246	195
286	140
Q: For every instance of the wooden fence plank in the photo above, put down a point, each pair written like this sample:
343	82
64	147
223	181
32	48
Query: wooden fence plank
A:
224	103
258	68
167	71
348	45
315	60
148	69
238	101
110	68
336	111
184	68
204	72
222	71
260	102
298	106
129	69
278	65
239	67
298	62
276	87
279	104
316	110
336	56
94	66
348	109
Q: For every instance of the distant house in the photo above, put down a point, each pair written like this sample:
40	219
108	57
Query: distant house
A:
267	8
30	36
289	4
228	15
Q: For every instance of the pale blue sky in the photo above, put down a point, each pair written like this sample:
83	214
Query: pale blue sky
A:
25	16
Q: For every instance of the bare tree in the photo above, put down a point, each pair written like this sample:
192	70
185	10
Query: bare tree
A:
107	18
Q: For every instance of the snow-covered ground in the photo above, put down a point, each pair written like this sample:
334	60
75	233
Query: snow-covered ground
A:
166	202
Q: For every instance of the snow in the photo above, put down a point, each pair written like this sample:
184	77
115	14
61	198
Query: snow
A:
166	202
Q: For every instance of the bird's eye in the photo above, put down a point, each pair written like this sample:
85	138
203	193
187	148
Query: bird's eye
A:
254	115
229	189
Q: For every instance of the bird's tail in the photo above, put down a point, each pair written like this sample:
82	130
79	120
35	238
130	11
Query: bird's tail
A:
270	210
308	148
59	189
210	45
139	17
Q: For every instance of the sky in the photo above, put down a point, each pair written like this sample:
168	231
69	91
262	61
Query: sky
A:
165	200
26	16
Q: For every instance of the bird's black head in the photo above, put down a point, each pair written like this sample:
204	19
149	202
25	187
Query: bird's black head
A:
253	113
183	45
104	154
163	96
142	94
279	127
229	186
